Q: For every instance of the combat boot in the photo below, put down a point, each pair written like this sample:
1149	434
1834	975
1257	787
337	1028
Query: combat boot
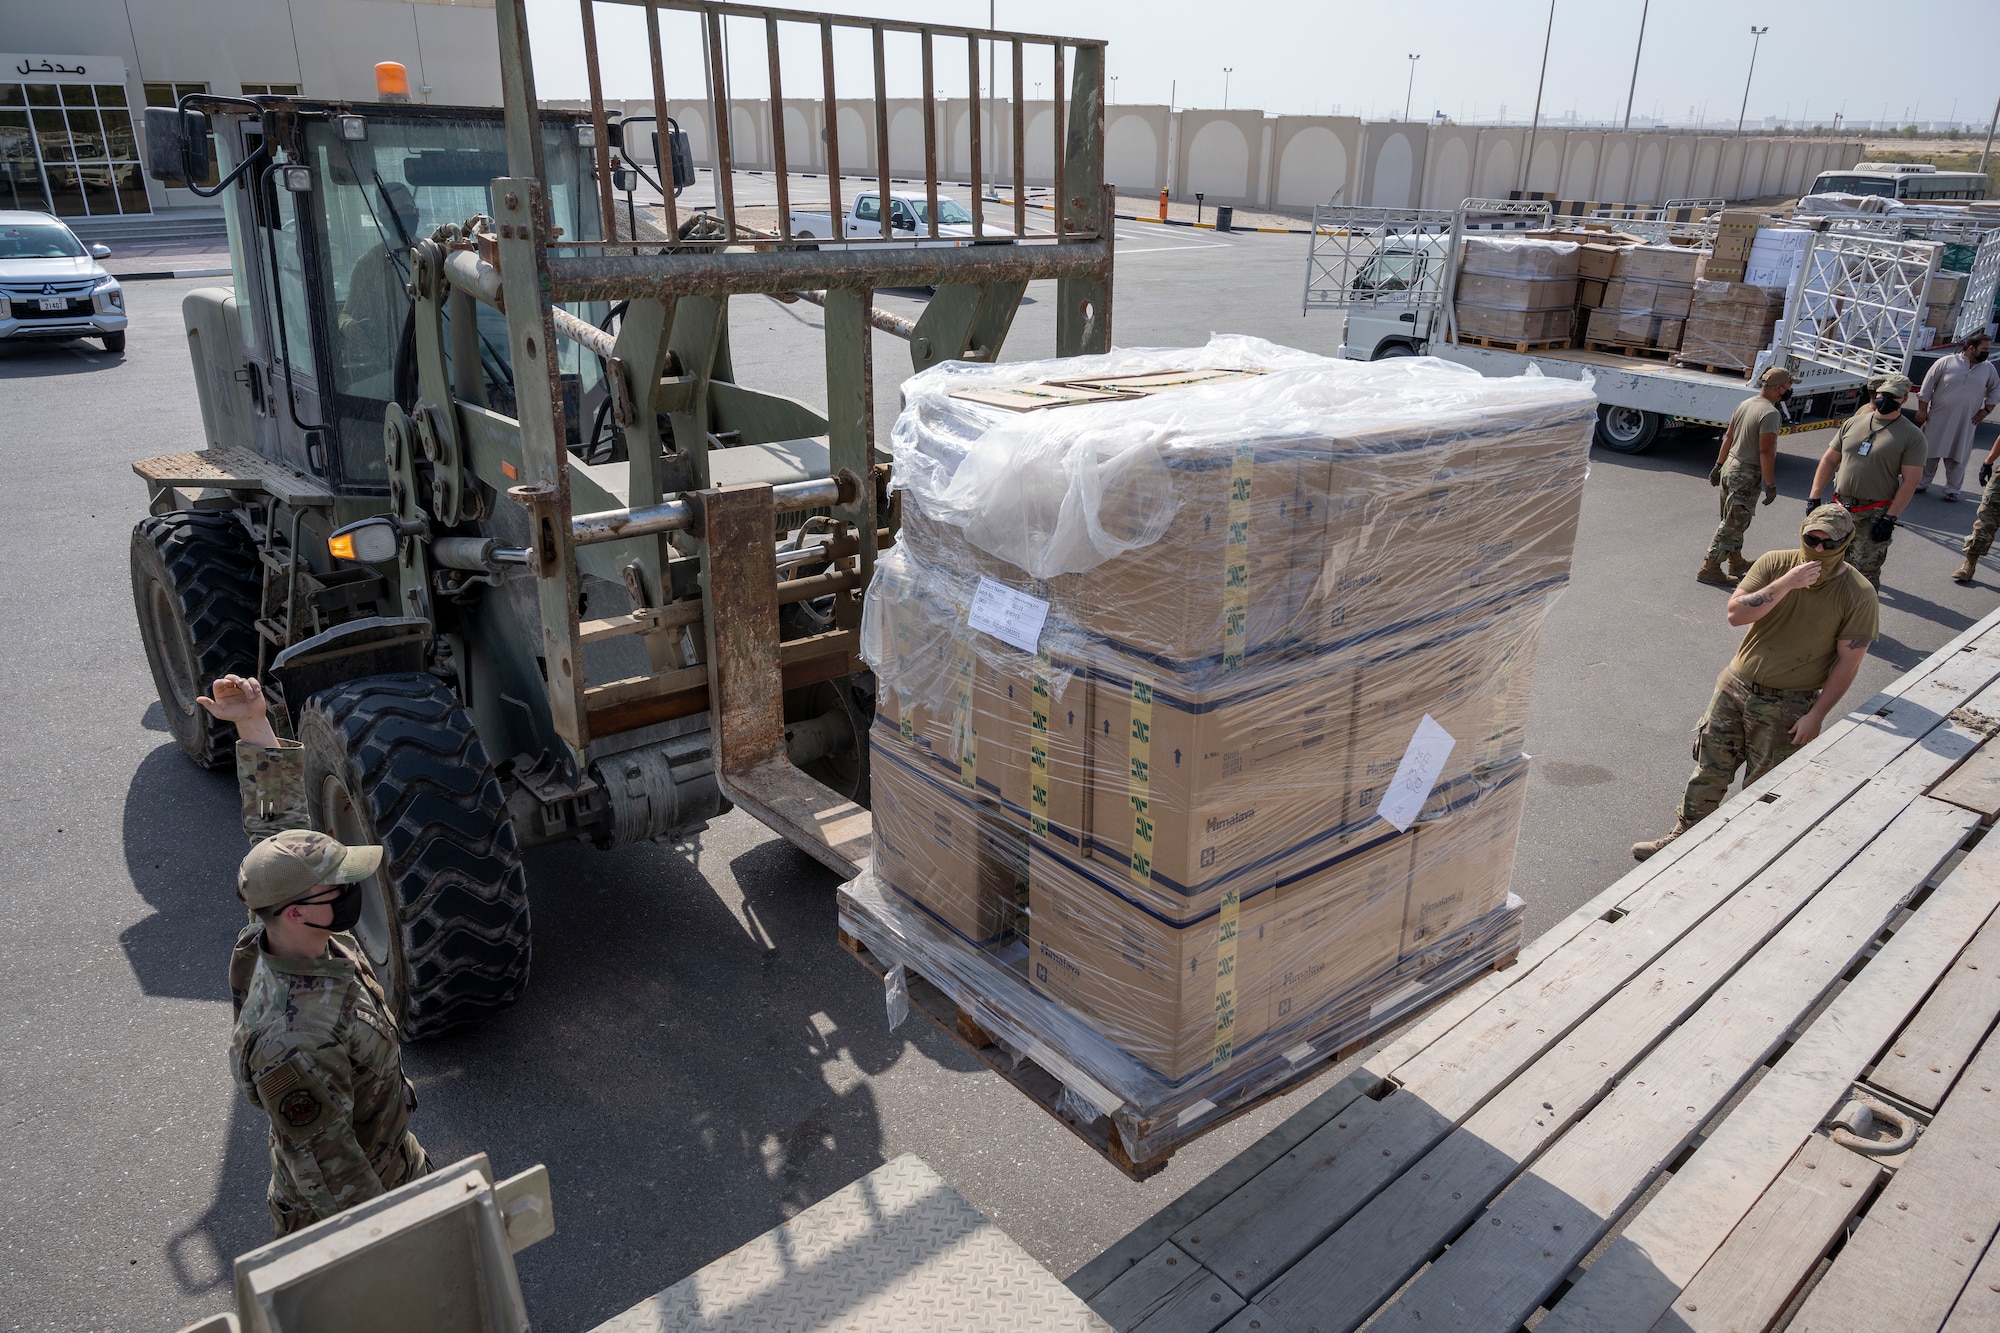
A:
1642	850
1966	572
1713	575
1738	566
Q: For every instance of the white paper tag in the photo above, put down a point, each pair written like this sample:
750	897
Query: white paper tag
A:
1011	617
1417	774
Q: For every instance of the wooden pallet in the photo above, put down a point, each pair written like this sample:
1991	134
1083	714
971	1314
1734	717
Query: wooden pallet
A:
1514	345
1661	1068
1046	1089
1734	372
1631	349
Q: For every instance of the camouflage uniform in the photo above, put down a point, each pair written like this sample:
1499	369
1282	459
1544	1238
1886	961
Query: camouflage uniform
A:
1740	487
1866	554
1746	726
1986	522
315	1047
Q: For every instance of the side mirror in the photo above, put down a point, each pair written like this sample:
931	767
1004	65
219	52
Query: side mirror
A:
176	144
100	252
683	156
372	541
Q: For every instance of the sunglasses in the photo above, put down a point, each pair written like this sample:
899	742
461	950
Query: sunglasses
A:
1820	543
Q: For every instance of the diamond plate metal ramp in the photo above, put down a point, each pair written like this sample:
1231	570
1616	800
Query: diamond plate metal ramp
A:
898	1249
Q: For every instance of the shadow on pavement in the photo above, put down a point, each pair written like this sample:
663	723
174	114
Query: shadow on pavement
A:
28	360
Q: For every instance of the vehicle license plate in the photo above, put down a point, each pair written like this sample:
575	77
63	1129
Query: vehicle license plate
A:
55	303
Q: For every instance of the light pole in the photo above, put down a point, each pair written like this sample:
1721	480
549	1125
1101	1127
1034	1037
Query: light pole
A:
1407	92
1756	40
1227	70
1634	87
1528	158
1114	90
1984	152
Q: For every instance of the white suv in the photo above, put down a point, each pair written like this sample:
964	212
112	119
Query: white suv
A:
51	285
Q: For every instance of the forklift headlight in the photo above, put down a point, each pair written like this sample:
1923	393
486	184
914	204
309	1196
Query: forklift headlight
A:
586	136
354	129
299	180
372	541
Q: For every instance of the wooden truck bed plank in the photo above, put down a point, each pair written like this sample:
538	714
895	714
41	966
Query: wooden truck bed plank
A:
1975	784
1928	1054
1508	1261
1682	1226
1908	1261
1760	1268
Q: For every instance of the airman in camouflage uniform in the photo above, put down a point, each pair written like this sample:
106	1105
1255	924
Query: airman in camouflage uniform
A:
315	1046
1746	464
1811	617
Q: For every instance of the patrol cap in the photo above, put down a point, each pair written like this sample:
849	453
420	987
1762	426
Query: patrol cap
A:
1833	520
288	866
1899	385
1772	374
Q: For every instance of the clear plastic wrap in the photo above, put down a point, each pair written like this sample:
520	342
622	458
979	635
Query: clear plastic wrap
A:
1166	816
1516	289
1730	323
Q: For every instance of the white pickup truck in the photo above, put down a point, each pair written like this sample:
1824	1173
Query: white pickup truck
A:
909	222
1392	273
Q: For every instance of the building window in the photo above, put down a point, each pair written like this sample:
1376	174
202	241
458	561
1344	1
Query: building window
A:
170	94
270	90
69	148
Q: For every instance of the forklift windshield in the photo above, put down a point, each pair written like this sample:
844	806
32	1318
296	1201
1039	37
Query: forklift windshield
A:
382	194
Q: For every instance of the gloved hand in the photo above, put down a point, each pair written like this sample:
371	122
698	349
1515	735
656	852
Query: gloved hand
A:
1811	504
1985	473
1771	493
1884	528
1715	475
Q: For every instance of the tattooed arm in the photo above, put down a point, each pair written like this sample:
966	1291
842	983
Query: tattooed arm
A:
1747	606
1848	656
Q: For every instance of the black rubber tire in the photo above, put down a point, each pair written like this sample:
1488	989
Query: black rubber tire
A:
394	760
195	589
1391	350
1627	430
113	342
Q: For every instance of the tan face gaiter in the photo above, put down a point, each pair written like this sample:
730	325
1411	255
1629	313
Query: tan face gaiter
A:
1827	521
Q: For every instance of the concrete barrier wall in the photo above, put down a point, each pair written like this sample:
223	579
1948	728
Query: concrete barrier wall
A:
1248	159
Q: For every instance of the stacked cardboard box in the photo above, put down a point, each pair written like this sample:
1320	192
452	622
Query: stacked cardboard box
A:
1647	301
1729	323
1735	236
1941	304
1516	290
1163	830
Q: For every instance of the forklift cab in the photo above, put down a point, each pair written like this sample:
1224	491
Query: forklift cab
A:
302	361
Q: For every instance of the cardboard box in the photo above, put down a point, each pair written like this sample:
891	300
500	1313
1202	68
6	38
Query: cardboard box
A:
1660	263
1188	997
945	849
1464	865
1597	260
1635	329
1194	788
1481	321
1518	257
1516	293
1648	296
1590	291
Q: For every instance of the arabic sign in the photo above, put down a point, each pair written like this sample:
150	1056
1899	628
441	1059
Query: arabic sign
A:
41	68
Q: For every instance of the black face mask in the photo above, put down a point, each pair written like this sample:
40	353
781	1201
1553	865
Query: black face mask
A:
1975	357
345	910
1887	404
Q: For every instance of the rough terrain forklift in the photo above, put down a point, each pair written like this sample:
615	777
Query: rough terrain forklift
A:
483	504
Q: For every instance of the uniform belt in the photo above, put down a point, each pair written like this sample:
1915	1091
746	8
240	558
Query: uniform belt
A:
1860	506
1766	692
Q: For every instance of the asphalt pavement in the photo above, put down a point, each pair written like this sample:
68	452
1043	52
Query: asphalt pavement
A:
695	1058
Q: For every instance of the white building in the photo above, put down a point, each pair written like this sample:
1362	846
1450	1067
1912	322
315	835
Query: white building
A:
79	70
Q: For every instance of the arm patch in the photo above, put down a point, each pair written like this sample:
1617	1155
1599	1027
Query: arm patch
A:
294	1098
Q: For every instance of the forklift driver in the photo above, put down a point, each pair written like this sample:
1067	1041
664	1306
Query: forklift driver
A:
371	319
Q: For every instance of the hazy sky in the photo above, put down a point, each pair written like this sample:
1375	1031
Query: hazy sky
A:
1477	55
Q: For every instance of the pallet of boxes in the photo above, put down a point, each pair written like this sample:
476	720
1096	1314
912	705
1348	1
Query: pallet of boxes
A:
1740	297
1646	302
1516	294
1202	679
